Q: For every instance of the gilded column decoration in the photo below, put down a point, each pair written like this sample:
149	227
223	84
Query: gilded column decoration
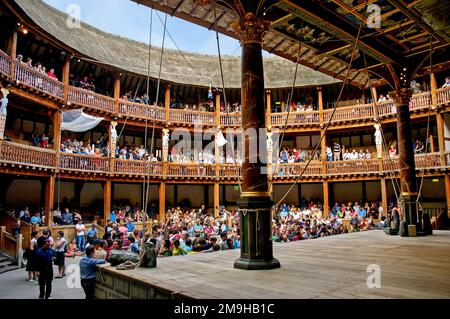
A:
112	139
379	140
165	145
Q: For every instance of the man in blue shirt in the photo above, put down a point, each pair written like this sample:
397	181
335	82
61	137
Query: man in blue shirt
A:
67	217
113	216
87	272
129	225
91	234
44	259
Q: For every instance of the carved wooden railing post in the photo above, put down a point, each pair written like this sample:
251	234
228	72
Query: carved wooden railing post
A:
12	48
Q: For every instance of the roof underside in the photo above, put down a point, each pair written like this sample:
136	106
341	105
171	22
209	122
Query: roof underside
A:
131	56
326	31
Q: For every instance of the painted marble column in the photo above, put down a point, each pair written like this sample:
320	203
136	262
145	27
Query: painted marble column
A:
3	111
408	183
255	205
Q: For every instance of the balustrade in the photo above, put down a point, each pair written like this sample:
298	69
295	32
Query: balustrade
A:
295	118
74	162
30	77
5	63
420	101
352	113
443	95
191	170
140	110
353	167
296	169
230	120
229	171
429	160
141	168
386	108
192	117
26	155
90	99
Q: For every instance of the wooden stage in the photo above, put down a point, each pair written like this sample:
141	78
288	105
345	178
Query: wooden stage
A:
332	267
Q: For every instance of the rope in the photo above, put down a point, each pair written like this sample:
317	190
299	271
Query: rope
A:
154	119
332	114
223	84
280	145
428	125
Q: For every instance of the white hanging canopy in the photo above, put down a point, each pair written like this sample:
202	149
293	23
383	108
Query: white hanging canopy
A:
220	139
78	121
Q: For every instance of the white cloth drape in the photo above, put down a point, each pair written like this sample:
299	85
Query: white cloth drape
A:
78	121
220	139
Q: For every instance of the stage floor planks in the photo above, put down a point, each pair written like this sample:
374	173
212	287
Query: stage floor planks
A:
332	267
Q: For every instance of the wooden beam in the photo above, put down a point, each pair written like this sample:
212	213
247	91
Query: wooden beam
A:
162	202
384	199
216	199
106	200
326	199
49	199
447	193
12	48
414	37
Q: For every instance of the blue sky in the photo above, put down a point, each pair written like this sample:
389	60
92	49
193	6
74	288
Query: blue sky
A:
127	18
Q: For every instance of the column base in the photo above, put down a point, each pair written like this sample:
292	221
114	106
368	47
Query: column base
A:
253	264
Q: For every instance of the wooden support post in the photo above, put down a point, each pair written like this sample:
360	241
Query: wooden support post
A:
167	103
116	92
162	202
12	48
49	199
323	152
440	126
57	131
433	84
384	199
66	78
106	201
447	193
269	108
320	104
218	93
326	200
216	199
375	101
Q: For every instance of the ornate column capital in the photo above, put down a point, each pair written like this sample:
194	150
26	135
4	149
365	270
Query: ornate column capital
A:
402	96
250	29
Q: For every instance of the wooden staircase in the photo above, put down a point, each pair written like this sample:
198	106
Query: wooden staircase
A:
7	264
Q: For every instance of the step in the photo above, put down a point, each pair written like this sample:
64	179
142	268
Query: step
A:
5	263
2	259
8	268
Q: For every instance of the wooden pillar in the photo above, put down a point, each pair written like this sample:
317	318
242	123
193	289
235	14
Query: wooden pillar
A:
49	199
218	93
57	131
216	199
384	199
440	126
447	193
116	92
323	152
106	200
66	78
167	103
269	108
326	200
433	85
162	203
320	104
12	48
375	101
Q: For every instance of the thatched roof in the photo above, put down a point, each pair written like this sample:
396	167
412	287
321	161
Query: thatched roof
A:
131	56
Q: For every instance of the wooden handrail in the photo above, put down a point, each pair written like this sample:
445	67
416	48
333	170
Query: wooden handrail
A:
140	110
192	117
5	63
91	99
32	78
355	112
19	154
443	95
75	162
295	118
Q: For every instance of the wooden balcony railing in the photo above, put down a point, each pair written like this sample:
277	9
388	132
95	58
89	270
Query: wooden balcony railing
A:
81	163
447	159
229	171
130	167
443	95
152	113
420	101
232	119
191	170
429	160
353	167
20	154
90	99
390	165
386	108
281	170
29	77
350	113
5	63
295	118
192	117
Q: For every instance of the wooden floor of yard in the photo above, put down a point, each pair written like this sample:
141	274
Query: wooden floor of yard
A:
332	267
